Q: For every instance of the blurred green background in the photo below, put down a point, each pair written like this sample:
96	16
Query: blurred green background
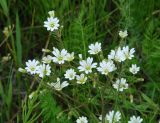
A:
84	22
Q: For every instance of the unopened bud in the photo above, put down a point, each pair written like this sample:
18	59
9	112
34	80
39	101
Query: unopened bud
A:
22	70
51	13
46	50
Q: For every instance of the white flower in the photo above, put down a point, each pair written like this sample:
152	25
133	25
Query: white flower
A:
47	59
134	69
70	56
51	13
31	66
106	67
123	34
95	48
51	23
82	120
128	53
134	119
70	74
100	117
22	70
60	56
80	56
87	65
120	84
43	70
81	79
117	55
58	86
32	95
113	117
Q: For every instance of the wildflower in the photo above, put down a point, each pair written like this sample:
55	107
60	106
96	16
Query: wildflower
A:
32	95
123	34
51	23
117	55
80	56
70	74
44	70
82	120
87	65
95	48
81	79
31	66
60	56
6	58
7	30
128	53
134	69
100	118
46	50
106	67
58	85
70	56
47	59
134	119
22	70
113	117
120	84
51	13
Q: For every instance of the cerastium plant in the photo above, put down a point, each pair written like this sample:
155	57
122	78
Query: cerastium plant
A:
71	78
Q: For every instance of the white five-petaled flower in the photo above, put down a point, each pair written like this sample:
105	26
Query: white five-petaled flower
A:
31	66
51	13
106	67
82	120
123	34
87	65
117	55
59	56
58	85
113	117
70	56
51	24
95	48
120	84
134	69
128	52
47	59
134	119
70	74
81	79
43	70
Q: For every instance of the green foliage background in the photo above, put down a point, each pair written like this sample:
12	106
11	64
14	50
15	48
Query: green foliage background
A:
84	22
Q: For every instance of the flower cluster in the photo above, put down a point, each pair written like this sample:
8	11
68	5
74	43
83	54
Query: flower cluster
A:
121	54
86	68
115	117
35	67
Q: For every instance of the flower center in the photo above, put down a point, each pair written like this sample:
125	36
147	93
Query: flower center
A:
52	24
60	58
32	68
88	67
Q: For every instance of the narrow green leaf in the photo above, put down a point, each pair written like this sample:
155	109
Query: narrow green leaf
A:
149	101
18	40
4	6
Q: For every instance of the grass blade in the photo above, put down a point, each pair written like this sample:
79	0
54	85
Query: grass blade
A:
18	40
4	7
